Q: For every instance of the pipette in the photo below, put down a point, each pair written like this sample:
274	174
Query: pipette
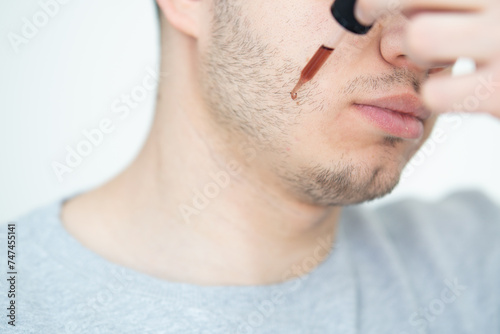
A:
343	12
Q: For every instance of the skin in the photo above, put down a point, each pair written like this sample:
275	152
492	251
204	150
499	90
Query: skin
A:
224	102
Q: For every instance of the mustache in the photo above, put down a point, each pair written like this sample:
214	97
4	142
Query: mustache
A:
400	77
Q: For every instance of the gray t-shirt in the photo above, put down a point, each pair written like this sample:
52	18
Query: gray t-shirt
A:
407	267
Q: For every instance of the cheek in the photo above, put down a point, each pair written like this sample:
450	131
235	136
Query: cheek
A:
300	26
334	136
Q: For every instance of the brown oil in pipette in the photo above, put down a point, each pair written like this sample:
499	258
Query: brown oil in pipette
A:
312	68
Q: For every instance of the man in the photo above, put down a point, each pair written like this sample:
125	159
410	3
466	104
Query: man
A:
234	218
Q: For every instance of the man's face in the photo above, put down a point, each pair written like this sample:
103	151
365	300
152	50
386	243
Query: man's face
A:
320	148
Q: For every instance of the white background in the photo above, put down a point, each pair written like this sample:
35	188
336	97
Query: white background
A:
66	78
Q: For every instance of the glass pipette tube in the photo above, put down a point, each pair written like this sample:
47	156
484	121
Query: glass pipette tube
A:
318	60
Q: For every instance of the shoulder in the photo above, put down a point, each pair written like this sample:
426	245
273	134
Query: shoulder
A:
25	240
464	205
464	215
35	222
465	218
33	227
462	230
435	248
32	231
455	237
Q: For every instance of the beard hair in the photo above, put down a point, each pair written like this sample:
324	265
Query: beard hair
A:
345	183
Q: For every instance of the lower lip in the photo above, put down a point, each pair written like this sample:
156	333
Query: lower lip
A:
394	123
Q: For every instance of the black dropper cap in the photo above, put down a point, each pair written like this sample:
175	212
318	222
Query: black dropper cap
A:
343	12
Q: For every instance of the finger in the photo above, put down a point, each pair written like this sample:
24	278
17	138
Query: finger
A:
367	11
440	38
412	7
478	92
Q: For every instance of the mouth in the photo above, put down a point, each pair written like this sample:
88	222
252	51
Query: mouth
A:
400	115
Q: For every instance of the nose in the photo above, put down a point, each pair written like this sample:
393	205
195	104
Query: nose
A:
392	41
392	47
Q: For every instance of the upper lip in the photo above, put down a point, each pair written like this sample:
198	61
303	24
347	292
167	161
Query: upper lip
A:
402	103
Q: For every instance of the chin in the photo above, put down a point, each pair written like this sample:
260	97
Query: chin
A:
345	184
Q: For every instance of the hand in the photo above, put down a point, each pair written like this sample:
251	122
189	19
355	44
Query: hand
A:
439	32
